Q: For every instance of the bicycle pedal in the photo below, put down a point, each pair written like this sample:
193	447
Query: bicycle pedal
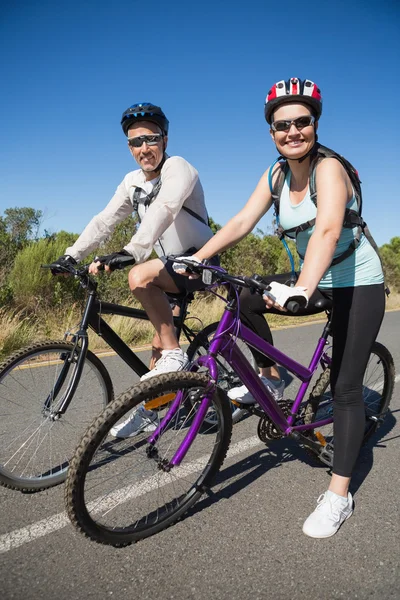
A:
326	456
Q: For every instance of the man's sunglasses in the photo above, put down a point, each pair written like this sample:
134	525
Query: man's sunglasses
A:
150	140
299	123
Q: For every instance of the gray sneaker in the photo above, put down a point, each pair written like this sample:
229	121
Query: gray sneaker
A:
139	420
241	394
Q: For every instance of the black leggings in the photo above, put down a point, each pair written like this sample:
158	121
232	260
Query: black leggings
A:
356	318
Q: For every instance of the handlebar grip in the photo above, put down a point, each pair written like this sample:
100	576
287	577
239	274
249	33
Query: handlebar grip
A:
293	306
296	303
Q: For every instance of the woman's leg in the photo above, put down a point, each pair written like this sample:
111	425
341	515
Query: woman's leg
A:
356	319
252	311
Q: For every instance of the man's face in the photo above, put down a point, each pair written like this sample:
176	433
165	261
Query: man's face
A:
147	156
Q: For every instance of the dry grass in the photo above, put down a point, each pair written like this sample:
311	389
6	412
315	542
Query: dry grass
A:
17	330
393	302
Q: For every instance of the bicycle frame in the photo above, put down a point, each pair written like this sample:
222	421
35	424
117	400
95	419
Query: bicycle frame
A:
93	310
224	344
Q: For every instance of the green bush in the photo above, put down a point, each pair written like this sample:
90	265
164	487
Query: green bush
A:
34	288
390	254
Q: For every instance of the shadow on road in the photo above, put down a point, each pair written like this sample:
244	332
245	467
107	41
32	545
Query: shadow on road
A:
366	457
244	472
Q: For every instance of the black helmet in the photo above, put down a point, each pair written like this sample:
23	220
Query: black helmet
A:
293	90
145	111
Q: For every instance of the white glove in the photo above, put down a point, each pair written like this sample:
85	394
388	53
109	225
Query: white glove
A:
282	294
181	269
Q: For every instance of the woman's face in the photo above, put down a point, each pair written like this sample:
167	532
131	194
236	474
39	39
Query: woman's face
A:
293	143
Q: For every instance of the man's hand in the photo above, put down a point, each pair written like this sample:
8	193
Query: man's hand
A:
62	266
183	269
110	262
279	295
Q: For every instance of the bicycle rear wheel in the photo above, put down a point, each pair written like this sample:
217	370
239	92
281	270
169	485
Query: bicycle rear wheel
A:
227	378
378	387
120	491
36	443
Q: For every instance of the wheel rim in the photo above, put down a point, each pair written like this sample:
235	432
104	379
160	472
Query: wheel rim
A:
374	391
35	446
124	493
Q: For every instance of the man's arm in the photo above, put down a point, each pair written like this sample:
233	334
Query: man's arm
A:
178	181
103	224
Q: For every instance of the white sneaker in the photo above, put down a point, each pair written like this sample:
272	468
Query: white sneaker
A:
241	394
171	360
140	420
331	512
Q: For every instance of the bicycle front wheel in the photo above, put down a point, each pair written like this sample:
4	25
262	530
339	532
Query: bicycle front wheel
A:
36	442
378	387
121	490
227	378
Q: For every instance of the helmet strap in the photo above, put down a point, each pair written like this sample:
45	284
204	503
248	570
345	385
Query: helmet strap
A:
311	151
160	165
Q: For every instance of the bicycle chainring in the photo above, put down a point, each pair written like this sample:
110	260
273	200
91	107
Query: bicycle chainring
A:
267	430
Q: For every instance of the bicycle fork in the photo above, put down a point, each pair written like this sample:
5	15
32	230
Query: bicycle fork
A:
77	356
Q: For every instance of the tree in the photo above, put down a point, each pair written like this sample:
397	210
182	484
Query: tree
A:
22	224
390	255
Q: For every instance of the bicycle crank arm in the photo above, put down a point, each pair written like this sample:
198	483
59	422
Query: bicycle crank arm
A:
324	453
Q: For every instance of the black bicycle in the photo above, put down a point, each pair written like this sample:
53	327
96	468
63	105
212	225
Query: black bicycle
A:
51	391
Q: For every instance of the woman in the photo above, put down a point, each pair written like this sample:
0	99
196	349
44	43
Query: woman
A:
354	282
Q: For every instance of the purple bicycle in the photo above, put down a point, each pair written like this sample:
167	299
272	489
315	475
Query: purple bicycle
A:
119	491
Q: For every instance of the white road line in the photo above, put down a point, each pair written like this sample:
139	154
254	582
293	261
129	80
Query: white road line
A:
22	536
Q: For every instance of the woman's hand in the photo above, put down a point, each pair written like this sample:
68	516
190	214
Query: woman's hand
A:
279	295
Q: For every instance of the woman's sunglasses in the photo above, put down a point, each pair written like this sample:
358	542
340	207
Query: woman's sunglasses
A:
299	123
151	140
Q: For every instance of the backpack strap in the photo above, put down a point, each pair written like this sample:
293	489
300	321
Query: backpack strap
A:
351	218
148	199
276	188
196	216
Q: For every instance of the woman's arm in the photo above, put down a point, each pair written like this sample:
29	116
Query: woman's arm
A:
333	192
242	223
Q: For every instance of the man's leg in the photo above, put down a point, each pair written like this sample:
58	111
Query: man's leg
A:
148	282
156	345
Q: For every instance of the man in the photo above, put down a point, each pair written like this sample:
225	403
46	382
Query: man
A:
167	194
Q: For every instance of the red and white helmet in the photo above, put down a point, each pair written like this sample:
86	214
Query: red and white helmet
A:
293	90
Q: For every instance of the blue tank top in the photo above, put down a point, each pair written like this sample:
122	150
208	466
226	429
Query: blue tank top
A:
362	267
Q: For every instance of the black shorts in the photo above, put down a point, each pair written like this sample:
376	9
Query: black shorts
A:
184	284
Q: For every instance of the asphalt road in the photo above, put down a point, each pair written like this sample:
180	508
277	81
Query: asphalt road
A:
245	542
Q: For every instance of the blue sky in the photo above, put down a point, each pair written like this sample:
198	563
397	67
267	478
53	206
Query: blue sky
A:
70	69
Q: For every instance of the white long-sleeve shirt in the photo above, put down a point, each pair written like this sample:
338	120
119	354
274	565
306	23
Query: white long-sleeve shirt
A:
164	225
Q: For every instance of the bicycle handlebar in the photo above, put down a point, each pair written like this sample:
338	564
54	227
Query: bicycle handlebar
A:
71	269
219	274
81	273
